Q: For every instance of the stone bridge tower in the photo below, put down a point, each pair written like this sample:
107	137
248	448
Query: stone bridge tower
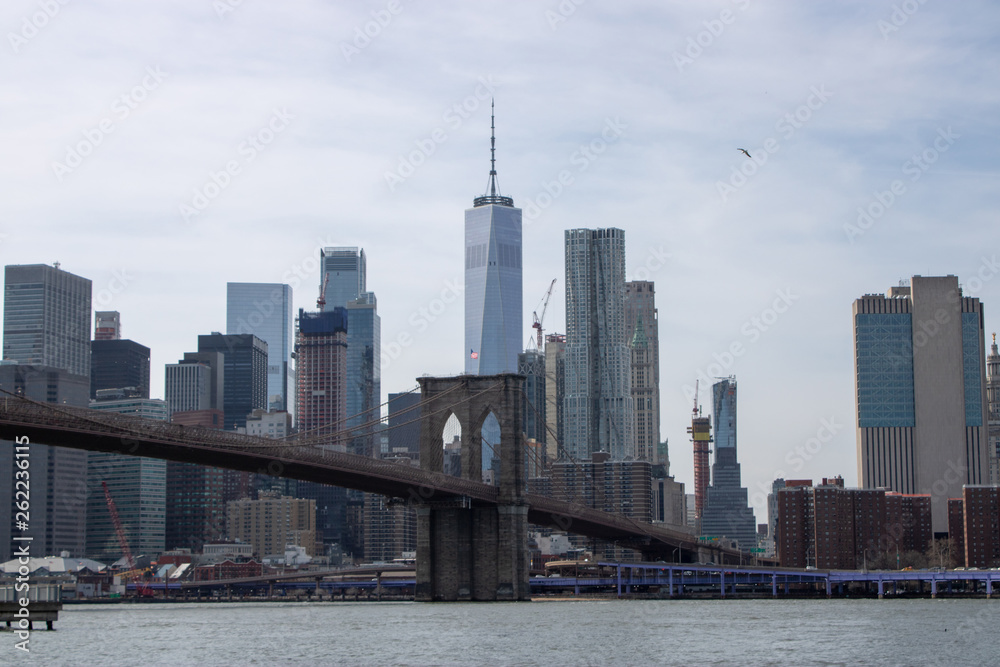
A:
468	550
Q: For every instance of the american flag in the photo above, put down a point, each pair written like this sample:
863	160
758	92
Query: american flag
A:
473	354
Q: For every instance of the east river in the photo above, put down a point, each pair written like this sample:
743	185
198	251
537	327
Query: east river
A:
549	633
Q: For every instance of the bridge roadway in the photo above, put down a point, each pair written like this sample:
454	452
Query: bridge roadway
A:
100	431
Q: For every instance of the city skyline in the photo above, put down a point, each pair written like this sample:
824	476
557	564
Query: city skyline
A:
769	269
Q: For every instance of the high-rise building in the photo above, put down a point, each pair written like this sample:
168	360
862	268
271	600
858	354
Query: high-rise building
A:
726	511
321	354
107	325
531	364
46	318
270	522
493	331
245	374
343	272
921	391
58	475
975	526
830	527
555	392
119	364
138	486
598	409
993	403
404	424
642	326
343	284
364	373
265	310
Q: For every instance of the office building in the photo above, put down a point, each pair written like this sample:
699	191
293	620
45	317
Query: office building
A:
195	510
107	325
726	511
138	486
920	372
343	272
46	318
58	475
555	392
404	424
364	373
272	522
119	364
531	364
265	310
189	385
390	528
493	310
642	326
245	374
598	409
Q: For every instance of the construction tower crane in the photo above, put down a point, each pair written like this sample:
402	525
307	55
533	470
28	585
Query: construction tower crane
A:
537	324
140	586
321	301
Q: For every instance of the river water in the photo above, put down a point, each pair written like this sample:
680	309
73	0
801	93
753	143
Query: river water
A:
549	633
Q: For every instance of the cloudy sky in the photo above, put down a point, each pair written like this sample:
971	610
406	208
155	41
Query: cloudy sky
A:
163	149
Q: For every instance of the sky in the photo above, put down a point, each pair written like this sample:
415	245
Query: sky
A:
165	149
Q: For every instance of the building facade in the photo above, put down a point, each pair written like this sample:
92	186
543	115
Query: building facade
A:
321	354
642	326
107	325
726	511
598	408
119	364
920	372
993	406
245	374
555	392
531	364
265	310
404	424
493	276
271	522
138	486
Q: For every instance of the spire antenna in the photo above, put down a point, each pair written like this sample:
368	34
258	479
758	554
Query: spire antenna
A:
493	195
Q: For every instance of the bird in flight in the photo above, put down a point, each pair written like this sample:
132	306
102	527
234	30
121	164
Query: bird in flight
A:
744	151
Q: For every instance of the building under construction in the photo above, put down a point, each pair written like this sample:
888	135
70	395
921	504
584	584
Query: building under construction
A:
701	438
321	357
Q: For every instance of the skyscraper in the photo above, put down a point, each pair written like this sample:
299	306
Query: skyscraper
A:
265	310
555	391
727	512
107	325
642	327
531	364
321	352
119	364
46	318
344	285
245	374
138	486
493	331
58	475
993	402
598	406
921	391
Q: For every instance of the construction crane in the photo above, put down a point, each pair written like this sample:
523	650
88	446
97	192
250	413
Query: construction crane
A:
321	301
140	587
701	439
537	324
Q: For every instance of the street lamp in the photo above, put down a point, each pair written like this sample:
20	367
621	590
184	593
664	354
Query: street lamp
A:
676	558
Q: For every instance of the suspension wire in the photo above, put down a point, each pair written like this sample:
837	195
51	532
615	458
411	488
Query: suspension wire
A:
377	407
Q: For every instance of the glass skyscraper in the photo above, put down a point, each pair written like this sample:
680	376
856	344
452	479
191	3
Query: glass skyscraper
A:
598	407
727	512
265	310
920	369
244	374
493	317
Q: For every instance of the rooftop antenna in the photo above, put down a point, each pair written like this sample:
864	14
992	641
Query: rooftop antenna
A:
493	195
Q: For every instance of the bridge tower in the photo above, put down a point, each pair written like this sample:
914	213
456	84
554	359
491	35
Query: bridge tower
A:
467	551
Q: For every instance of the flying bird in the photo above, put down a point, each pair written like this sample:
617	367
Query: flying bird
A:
744	151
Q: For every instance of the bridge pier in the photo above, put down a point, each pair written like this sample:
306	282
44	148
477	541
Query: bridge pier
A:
467	551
